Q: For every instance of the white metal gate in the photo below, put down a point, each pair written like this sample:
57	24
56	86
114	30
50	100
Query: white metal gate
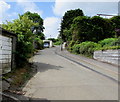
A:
5	53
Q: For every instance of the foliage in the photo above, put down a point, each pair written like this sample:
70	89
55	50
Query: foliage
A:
70	46
108	48
36	19
53	40
107	42
39	43
22	27
116	21
116	42
37	28
19	76
81	29
75	48
67	21
102	28
91	29
75	26
86	48
57	43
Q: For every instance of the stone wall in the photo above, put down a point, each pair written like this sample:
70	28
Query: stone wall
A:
109	56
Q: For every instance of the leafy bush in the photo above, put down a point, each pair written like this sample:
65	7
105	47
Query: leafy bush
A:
116	42
22	27
71	44
109	48
24	52
57	43
107	42
87	48
75	48
39	44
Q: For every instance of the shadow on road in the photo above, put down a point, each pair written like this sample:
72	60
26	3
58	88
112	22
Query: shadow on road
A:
37	67
42	67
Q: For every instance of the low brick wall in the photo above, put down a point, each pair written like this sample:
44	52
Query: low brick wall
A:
109	56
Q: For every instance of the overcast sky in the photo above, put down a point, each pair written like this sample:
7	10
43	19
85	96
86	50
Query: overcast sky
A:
52	12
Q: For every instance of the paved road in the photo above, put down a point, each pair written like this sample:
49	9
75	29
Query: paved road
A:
59	78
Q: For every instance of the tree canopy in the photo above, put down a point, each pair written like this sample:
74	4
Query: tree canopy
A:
36	19
67	21
26	38
77	27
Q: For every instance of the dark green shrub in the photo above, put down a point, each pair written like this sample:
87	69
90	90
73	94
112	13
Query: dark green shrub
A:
39	44
23	52
70	45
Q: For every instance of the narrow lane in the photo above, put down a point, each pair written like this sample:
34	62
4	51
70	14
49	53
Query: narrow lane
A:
108	70
61	79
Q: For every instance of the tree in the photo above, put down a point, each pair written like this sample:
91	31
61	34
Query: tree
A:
36	19
91	29
22	27
67	21
102	28
81	29
53	39
116	24
116	21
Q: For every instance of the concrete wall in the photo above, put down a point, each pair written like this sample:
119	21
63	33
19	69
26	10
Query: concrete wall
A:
109	56
7	51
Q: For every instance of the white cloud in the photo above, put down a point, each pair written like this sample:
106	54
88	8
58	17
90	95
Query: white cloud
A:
51	25
3	8
86	0
89	8
29	6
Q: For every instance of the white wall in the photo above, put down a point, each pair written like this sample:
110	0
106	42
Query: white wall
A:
109	56
5	53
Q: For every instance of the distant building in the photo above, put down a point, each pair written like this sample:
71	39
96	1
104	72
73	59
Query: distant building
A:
48	43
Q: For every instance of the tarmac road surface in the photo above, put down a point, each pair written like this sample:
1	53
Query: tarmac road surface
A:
59	78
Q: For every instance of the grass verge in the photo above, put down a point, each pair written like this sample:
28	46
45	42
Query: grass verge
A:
18	77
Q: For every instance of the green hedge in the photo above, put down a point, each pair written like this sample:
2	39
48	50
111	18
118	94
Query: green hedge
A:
109	48
57	43
107	42
75	48
85	48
